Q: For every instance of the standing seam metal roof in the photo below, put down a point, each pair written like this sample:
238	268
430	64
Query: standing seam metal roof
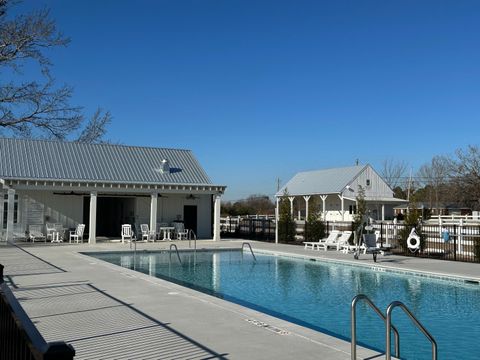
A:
72	161
327	181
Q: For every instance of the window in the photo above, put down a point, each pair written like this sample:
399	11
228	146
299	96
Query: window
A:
5	210
352	209
368	182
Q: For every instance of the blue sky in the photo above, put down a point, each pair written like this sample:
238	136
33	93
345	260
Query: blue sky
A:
261	90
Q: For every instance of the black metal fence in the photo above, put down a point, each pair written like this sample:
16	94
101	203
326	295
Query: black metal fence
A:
262	229
19	338
456	242
448	242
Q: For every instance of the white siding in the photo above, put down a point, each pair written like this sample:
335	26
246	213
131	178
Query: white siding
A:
377	188
49	207
171	206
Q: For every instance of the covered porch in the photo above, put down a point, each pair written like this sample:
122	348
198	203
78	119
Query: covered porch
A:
104	207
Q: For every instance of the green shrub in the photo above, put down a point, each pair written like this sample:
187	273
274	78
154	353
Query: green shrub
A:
315	229
411	221
286	224
476	250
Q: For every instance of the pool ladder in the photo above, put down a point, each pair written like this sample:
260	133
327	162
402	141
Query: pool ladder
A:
388	325
250	247
173	246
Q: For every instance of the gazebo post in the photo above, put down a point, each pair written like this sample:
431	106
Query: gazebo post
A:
291	198
324	198
306	198
276	219
342	205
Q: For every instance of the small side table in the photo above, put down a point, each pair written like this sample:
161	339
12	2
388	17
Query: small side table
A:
56	237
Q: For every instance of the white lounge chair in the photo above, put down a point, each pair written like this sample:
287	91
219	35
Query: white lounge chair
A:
127	232
35	233
311	244
77	235
147	234
342	241
329	243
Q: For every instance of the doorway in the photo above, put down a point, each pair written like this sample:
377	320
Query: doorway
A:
190	217
112	212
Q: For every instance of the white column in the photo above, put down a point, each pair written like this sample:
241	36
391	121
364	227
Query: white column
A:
1	214
276	219
153	211
291	198
306	198
10	211
342	204
216	218
92	236
383	212
324	198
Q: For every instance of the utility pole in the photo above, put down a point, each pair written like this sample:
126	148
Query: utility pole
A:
409	185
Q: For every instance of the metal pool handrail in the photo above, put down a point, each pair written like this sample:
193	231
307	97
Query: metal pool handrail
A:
176	250
353	313
190	233
250	247
417	323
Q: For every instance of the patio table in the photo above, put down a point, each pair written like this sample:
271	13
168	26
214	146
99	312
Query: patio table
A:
166	232
56	238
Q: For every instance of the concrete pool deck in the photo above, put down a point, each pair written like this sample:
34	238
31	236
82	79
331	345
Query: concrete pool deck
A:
106	311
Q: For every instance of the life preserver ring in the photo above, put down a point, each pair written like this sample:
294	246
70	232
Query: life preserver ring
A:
413	241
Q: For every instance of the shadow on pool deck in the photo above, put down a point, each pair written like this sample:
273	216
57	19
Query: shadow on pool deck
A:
97	324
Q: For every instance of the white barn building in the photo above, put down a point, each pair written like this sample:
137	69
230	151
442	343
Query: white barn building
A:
103	186
337	189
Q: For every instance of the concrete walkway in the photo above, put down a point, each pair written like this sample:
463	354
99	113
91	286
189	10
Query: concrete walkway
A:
106	311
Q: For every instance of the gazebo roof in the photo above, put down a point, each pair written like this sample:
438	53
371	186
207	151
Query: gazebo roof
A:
326	181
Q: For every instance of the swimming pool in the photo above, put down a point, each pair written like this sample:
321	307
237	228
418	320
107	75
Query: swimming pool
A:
317	295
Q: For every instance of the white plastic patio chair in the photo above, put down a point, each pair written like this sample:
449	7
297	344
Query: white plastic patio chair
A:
35	233
180	231
77	235
311	244
147	234
49	229
127	233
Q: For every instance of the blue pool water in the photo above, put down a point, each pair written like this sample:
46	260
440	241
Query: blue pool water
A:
318	295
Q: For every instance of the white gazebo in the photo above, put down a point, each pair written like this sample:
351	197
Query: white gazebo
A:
337	188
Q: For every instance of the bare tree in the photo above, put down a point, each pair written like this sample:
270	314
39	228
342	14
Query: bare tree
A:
466	180
394	172
38	108
435	176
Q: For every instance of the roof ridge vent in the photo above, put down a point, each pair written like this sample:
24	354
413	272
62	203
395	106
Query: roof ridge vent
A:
165	166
